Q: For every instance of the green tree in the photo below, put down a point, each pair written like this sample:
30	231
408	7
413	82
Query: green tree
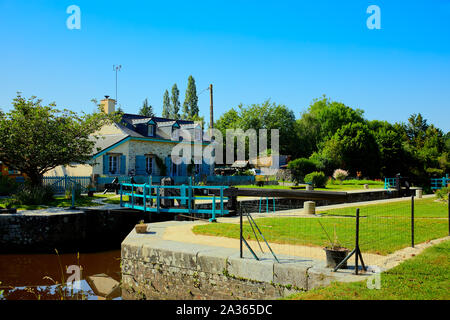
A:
354	148
393	157
266	115
175	99
300	168
321	121
146	109
35	138
190	105
167	108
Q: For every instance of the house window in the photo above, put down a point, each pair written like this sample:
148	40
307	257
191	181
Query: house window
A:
198	135
174	169
175	135
151	130
149	164
113	164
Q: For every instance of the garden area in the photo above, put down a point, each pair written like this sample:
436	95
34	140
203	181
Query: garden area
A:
331	185
24	196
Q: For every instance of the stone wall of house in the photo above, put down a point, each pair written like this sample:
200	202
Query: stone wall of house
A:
140	148
123	149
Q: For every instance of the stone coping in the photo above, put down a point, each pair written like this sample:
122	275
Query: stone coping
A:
151	248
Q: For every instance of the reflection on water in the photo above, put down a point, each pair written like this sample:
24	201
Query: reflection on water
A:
22	275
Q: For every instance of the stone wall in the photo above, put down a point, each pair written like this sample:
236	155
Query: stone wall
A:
65	230
153	268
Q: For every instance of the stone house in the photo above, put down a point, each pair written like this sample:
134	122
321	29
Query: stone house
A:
141	146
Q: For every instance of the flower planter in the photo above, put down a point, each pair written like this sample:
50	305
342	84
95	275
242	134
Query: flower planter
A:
335	256
141	228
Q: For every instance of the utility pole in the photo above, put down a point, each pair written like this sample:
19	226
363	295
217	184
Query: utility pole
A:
116	69
211	109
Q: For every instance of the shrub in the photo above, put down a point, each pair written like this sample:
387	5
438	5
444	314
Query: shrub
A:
442	194
7	186
300	168
77	187
317	179
29	195
340	174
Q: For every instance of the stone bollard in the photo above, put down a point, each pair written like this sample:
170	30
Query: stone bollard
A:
419	193
366	186
309	187
310	207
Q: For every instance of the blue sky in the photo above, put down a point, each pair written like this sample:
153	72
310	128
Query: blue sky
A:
288	51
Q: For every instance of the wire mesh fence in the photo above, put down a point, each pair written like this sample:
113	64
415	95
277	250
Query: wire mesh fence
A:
385	228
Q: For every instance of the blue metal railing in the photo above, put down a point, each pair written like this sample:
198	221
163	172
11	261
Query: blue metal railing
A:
389	183
187	196
213	180
439	183
61	183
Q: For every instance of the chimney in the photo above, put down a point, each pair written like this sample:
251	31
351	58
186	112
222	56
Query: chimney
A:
108	105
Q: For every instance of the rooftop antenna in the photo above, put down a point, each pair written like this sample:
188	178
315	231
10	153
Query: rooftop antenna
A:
116	68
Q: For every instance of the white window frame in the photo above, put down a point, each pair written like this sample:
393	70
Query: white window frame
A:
149	162
113	163
151	130
175	134
198	135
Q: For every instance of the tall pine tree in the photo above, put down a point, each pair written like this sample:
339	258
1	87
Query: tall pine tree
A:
166	112
175	114
190	105
146	109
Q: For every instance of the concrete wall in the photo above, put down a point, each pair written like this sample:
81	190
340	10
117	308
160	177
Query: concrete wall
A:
65	230
153	268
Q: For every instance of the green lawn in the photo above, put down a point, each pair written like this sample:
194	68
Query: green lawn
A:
423	277
345	186
59	201
383	232
423	208
115	199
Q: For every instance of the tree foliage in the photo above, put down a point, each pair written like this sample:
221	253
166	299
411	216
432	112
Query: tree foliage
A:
35	138
190	105
175	103
146	109
167	108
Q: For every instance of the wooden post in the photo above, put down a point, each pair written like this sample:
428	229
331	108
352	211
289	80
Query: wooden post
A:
211	109
412	221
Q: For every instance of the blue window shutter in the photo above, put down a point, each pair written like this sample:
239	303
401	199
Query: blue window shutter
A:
183	169
204	167
168	166
123	161
105	164
140	165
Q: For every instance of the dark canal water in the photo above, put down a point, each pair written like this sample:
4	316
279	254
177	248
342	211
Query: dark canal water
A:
22	275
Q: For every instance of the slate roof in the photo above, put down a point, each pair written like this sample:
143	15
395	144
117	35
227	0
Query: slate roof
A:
133	125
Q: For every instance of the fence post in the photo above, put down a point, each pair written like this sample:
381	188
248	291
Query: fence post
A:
357	241
240	231
121	196
412	221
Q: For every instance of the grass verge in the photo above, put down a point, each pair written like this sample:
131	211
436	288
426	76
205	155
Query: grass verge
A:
423	277
384	228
